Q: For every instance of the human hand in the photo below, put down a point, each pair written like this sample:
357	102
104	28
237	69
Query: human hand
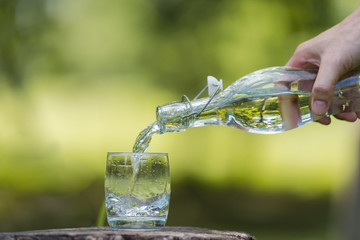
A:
333	53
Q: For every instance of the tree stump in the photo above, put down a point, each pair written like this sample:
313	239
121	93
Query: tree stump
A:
168	233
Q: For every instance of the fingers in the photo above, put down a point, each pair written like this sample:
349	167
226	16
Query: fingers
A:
348	116
306	56
289	111
324	120
323	89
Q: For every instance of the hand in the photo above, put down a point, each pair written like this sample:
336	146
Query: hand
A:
333	53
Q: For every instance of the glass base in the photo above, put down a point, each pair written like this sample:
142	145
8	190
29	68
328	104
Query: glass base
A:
137	223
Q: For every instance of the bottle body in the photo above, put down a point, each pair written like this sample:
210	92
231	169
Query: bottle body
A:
259	114
268	101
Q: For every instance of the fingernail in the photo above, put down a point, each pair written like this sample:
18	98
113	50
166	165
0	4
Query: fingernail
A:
319	107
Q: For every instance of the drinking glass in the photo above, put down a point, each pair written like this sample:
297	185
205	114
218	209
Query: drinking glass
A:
137	190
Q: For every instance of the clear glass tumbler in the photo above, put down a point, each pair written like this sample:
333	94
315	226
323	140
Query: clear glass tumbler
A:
137	190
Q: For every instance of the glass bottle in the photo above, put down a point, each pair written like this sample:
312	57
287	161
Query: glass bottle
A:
267	101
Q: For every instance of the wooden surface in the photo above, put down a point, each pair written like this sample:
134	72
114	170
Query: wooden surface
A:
168	233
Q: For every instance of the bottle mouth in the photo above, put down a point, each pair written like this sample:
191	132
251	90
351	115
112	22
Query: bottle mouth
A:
171	112
170	116
159	120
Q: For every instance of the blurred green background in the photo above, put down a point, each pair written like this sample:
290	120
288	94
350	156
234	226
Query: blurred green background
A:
81	78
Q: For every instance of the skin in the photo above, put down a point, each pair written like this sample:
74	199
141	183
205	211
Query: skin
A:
334	53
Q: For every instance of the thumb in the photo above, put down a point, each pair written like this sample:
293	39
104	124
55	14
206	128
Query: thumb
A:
323	89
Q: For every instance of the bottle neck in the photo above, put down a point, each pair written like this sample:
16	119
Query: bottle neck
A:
179	116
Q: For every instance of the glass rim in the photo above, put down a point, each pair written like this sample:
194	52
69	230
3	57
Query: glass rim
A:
138	153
